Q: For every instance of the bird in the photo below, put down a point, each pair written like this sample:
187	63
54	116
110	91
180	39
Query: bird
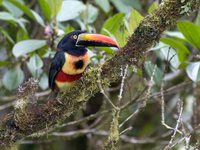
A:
72	57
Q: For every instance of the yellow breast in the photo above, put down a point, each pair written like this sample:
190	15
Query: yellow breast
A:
70	64
64	85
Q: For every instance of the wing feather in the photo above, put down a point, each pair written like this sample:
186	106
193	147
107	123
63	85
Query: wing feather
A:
56	65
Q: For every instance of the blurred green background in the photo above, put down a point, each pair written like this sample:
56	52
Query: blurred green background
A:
29	33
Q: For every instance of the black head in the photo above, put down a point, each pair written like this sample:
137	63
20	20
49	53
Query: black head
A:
68	44
75	42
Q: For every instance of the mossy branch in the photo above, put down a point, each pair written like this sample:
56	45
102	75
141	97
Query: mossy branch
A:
36	117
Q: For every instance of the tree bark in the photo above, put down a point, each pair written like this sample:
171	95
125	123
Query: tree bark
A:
32	118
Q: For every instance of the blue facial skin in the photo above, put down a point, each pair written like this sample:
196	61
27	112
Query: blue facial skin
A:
68	44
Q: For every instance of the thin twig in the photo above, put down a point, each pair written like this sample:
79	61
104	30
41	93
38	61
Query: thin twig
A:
103	92
180	109
125	138
125	130
123	74
163	110
143	105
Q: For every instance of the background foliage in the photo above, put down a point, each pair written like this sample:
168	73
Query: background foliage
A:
29	33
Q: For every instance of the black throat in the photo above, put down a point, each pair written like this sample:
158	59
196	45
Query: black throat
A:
79	64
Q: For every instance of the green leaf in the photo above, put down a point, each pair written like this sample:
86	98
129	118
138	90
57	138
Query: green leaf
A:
7	16
92	13
34	65
55	6
113	24
126	6
13	78
193	71
134	20
5	33
32	14
68	29
36	73
170	55
21	23
122	36
177	35
36	62
24	8
12	9
98	57
38	18
115	28
43	83
167	53
191	32
11	19
27	46
74	9
46	10
104	5
4	63
153	7
150	68
182	50
1	1
197	21
22	35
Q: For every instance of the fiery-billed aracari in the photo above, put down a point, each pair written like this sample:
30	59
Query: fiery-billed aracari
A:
72	57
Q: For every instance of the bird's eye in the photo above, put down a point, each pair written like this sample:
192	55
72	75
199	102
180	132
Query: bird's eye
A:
74	37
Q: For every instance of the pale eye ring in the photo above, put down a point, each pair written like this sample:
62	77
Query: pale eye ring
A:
75	36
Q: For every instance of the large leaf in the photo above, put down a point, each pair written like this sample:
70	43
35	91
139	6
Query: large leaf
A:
126	6
112	28
170	55
24	8
134	20
12	9
153	7
167	53
21	35
38	18
13	78
32	14
12	19
70	10
35	62
182	50
46	10
122	37
104	5
92	13
27	46
193	71
55	6
191	32
43	83
34	65
7	16
113	24
4	63
5	33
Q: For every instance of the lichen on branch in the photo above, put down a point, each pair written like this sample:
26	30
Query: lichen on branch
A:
37	117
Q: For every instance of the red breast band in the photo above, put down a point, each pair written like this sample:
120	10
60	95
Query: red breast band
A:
63	77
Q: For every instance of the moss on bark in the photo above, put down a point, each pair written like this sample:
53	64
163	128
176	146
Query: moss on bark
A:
38	117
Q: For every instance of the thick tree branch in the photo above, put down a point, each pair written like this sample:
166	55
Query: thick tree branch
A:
33	118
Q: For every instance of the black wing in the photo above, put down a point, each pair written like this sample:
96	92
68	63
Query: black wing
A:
56	65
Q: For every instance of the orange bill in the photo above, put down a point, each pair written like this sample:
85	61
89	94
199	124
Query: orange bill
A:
99	40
